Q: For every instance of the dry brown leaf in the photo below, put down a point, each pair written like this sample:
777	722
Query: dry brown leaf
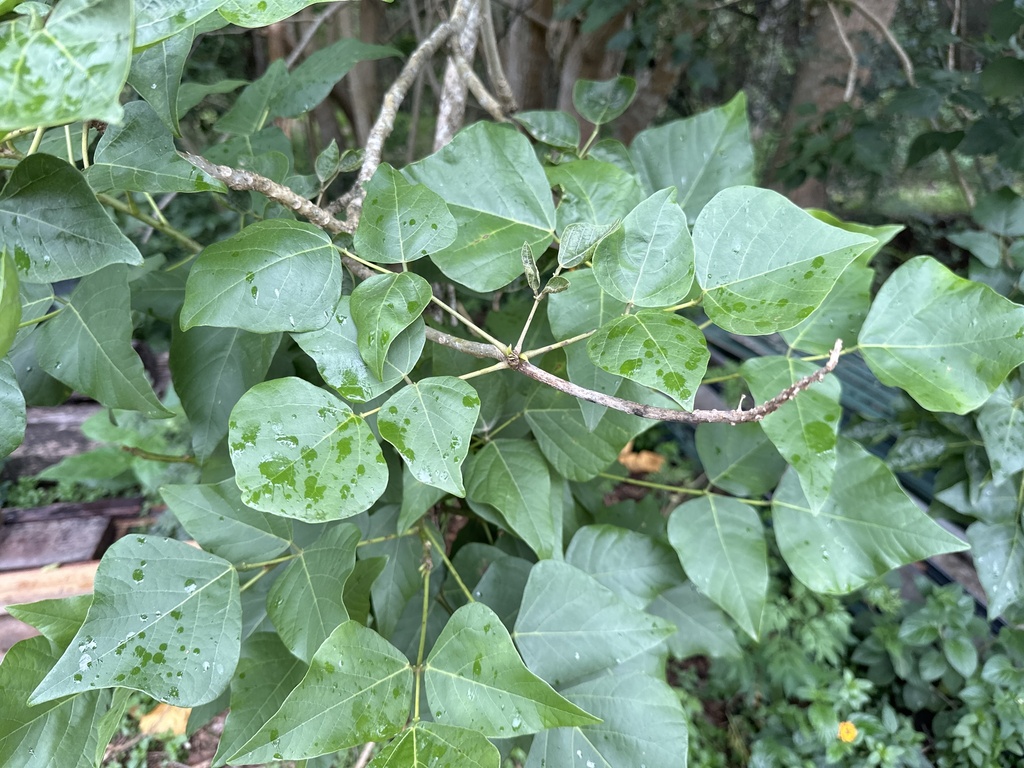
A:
164	719
640	462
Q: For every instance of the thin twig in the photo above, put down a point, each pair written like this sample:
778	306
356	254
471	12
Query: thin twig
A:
492	60
364	756
393	100
712	416
451	107
486	100
307	36
247	180
851	75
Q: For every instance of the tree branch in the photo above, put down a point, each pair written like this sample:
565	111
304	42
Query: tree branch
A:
713	416
247	180
490	104
451	106
252	181
492	59
310	32
393	99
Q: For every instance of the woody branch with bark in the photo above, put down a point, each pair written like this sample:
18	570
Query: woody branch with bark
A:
459	32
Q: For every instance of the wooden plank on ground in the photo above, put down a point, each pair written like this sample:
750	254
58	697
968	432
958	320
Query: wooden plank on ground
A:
46	583
44	542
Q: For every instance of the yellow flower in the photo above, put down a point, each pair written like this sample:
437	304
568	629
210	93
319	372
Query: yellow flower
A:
847	731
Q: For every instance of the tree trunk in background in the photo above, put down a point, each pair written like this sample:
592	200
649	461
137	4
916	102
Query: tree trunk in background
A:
653	88
524	53
821	81
359	92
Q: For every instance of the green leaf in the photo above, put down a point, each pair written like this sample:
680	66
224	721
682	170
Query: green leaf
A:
251	110
159	606
157	20
961	654
552	127
417	499
579	243
401	221
382	307
657	349
803	429
12	405
215	516
571	626
475	679
998	552
699	156
867	526
984	246
305	604
336	351
432	745
593	192
701	629
10	302
947	341
57	619
299	452
839	316
564	437
1001	424
274	275
267	673
263	13
37	736
192	94
50	220
430	423
763	263
643	725
556	284
1001	213
601	101
633	566
328	163
649	261
583	307
530	268
739	459
156	74
720	542
512	477
88	345
495	188
211	368
310	82
139	156
358	689
70	67
1003	78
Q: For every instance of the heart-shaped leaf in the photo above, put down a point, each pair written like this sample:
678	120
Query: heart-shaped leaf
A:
649	260
763	263
475	678
299	452
867	526
430	423
657	349
400	221
358	689
274	275
159	606
947	341
71	66
53	226
382	307
720	542
601	101
335	348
